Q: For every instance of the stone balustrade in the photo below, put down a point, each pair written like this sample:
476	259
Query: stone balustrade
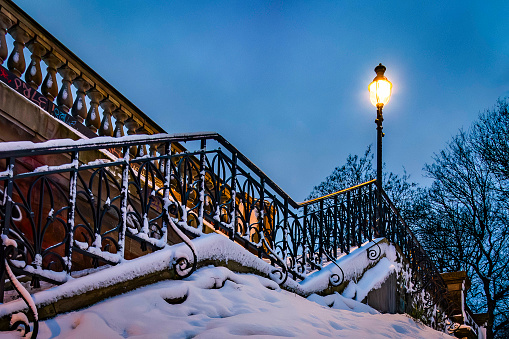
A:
68	88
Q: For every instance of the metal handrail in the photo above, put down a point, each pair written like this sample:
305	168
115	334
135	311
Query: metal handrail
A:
26	148
331	195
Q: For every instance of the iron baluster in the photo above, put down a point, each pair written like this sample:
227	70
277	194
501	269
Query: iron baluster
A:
320	233
372	219
285	230
7	202
261	215
335	235
304	236
233	186
7	210
124	192
73	189
203	146
167	179
348	221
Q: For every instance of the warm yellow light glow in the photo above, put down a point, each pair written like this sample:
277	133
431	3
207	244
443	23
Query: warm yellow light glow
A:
380	91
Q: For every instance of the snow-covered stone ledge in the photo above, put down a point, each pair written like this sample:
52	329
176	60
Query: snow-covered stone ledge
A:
211	249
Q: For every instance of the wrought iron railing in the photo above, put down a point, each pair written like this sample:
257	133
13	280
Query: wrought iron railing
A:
79	211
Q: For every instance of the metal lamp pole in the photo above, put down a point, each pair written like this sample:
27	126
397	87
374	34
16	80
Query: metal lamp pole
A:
380	92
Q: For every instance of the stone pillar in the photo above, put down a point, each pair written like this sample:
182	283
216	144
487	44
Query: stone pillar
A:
120	116
132	125
457	286
16	62
5	24
106	128
33	75
50	86
79	108
64	98
93	120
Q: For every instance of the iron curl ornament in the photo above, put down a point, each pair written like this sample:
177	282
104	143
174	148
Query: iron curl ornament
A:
19	321
452	327
335	279
374	252
279	275
182	267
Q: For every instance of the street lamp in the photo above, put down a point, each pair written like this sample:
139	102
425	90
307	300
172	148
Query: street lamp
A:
379	94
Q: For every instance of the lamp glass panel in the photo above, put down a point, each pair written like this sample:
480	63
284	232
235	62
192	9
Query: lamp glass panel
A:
380	92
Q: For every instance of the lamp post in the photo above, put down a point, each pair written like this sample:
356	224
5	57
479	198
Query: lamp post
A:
379	93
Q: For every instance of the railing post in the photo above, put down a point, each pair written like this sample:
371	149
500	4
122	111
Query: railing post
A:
167	176
335	233
304	237
380	228
285	230
124	200
262	213
348	221
320	232
359	221
203	147
371	213
73	189
7	204
233	186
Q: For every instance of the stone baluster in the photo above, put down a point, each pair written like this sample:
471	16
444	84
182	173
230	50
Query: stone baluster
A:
93	120
120	117
33	75
79	108
132	125
142	149
5	24
106	128
153	153
64	98
49	86
16	62
161	148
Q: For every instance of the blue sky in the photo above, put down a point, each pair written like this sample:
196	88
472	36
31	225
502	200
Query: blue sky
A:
286	82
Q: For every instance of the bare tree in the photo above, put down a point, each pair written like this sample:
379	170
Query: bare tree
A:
359	169
465	226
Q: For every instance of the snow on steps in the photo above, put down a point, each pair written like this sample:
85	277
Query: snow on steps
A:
361	275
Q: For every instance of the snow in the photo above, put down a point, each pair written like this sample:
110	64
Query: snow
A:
7	241
217	303
99	141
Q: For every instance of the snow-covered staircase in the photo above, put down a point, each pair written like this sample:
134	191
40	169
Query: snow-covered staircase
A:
110	203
